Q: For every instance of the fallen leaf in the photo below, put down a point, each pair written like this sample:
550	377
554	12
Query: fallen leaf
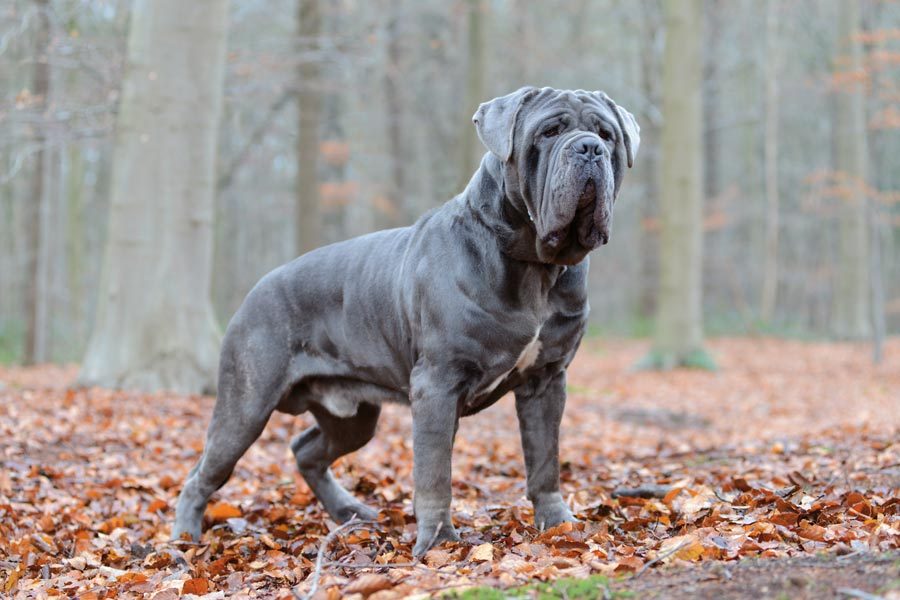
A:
222	511
197	586
482	553
368	584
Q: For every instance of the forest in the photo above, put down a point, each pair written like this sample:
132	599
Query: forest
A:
733	412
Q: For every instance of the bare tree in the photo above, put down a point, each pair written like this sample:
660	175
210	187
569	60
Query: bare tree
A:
679	328
309	107
652	39
36	294
770	265
851	294
154	326
469	144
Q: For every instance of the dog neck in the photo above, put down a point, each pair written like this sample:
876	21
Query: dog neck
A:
489	198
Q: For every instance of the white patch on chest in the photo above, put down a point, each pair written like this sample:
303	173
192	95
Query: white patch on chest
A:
527	358
530	353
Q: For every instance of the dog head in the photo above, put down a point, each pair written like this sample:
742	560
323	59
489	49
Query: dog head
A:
564	155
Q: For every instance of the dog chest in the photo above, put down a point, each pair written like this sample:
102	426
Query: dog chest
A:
526	359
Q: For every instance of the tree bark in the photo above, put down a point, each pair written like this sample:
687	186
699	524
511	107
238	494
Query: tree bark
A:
385	216
711	88
769	292
651	55
36	290
154	326
851	295
309	107
679	332
470	147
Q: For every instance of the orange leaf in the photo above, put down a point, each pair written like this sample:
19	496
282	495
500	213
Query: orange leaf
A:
221	511
197	586
132	576
688	548
670	495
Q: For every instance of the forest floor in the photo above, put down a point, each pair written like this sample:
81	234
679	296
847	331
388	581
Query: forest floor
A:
777	476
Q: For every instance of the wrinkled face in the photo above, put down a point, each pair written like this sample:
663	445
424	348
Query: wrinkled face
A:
568	152
567	177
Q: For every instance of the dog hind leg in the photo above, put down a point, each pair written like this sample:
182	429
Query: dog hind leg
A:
319	446
239	417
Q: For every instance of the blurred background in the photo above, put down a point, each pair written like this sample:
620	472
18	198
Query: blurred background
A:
767	184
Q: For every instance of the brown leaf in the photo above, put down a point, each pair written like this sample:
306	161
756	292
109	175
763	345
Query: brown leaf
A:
368	584
437	557
628	563
785	519
811	531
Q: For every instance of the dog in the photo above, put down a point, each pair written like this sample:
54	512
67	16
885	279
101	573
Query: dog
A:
482	296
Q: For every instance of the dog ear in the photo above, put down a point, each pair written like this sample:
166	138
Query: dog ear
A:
631	131
495	121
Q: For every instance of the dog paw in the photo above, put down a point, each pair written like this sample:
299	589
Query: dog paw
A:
358	510
429	536
551	515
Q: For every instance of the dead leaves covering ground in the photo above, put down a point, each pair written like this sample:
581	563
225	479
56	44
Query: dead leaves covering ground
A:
791	449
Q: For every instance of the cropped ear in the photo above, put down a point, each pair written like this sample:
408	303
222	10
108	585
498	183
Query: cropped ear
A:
495	121
631	131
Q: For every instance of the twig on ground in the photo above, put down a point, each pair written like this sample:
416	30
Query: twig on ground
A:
660	558
375	565
850	555
353	523
855	593
437	530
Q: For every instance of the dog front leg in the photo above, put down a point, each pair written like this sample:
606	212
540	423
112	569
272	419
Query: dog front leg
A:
539	408
435	420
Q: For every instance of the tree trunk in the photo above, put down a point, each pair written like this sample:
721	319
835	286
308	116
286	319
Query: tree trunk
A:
851	295
711	87
679	332
36	291
770	265
75	244
155	327
879	233
651	54
386	215
309	107
471	149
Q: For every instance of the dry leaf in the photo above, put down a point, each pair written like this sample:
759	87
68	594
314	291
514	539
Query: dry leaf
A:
482	553
197	586
688	548
222	511
368	584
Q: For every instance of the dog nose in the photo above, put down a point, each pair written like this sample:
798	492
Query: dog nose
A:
588	146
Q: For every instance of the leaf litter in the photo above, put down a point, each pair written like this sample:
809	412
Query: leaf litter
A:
790	450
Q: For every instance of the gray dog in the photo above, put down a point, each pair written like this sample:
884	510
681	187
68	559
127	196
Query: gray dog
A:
482	296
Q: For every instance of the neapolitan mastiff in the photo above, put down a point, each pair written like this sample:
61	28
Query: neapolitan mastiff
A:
482	296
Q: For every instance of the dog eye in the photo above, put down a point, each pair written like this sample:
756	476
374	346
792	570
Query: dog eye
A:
552	132
605	135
